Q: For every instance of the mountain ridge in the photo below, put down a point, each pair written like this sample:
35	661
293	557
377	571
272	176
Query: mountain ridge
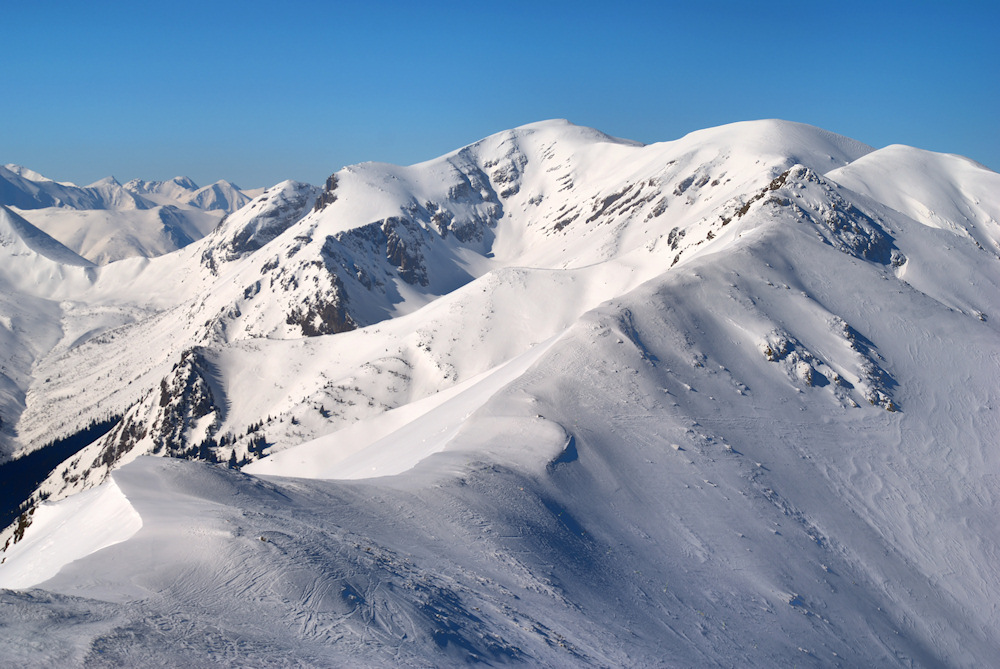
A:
551	397
107	221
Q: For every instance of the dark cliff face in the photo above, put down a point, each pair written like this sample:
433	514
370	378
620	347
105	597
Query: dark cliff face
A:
323	311
172	415
328	196
268	217
185	398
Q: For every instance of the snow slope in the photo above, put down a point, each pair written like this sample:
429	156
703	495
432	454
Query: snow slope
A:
21	238
108	235
555	398
73	529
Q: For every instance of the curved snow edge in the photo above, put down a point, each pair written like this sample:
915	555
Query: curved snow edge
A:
398	440
66	531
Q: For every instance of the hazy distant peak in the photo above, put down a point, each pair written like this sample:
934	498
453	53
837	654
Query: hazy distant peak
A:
106	181
26	173
185	182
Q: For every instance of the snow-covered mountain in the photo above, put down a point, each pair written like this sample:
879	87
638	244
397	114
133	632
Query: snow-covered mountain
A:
222	195
554	397
163	192
107	221
26	190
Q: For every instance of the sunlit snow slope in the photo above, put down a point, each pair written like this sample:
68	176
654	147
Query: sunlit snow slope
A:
553	398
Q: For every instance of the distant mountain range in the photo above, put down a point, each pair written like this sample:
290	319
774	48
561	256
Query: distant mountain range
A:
554	398
107	221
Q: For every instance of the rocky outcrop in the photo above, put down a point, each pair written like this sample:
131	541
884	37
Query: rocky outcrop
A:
275	211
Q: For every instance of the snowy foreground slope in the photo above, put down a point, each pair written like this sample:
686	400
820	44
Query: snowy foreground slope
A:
553	398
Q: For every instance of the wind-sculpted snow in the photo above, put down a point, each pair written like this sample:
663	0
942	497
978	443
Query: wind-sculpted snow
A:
20	237
104	514
338	578
727	400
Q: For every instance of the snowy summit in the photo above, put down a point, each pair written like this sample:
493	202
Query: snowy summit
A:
554	398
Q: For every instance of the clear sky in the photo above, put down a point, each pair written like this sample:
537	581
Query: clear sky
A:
257	92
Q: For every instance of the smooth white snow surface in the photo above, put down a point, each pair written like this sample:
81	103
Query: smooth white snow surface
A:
109	235
68	530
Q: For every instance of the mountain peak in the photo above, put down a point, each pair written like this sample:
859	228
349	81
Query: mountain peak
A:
712	376
185	182
105	182
26	173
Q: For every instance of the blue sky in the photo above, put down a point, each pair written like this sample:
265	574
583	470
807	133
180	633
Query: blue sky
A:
258	92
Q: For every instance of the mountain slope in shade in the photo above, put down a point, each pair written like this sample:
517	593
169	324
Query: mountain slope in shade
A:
110	235
554	398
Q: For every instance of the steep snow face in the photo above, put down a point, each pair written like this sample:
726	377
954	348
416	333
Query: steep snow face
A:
380	241
697	402
585	198
33	269
384	240
36	265
73	529
29	328
20	238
